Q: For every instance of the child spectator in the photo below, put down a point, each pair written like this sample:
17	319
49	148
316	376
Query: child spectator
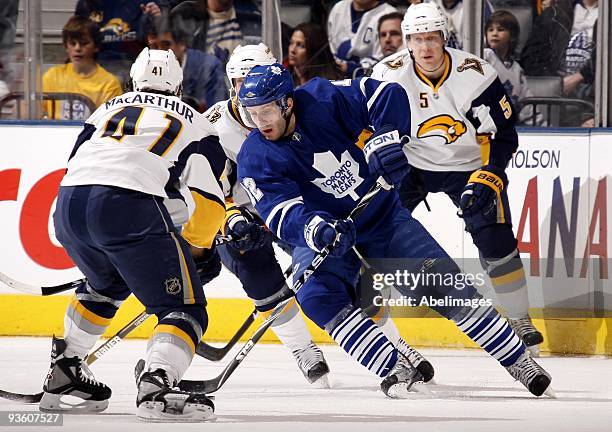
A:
309	55
502	34
81	74
203	75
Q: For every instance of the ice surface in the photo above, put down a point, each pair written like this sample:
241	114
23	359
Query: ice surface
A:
268	393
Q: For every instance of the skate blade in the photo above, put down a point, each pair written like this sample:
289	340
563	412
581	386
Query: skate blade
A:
534	351
550	392
322	382
68	404
402	391
192	413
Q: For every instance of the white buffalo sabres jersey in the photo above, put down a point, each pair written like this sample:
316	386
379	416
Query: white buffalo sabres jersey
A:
459	123
227	122
132	141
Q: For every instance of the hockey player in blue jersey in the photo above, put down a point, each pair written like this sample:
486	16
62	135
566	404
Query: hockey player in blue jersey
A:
304	175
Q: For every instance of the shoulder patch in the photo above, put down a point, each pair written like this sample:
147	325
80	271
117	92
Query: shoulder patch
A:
471	63
214	115
395	63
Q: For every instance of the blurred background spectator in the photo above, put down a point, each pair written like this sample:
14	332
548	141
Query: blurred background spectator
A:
390	33
121	25
453	10
81	74
309	55
203	74
352	32
219	26
580	46
502	34
8	23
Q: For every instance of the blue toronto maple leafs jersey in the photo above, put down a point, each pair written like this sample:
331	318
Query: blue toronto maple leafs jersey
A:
320	169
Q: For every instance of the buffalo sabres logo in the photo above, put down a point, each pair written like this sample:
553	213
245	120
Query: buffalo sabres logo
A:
443	126
117	26
471	63
173	285
214	115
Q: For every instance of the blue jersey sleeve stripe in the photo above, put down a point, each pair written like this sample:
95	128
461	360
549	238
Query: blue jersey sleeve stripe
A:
280	208
377	92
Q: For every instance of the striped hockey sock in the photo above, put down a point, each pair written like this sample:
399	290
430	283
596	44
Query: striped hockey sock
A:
365	342
489	330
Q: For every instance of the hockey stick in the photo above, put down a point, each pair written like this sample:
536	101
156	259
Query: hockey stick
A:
215	354
101	351
54	289
214	384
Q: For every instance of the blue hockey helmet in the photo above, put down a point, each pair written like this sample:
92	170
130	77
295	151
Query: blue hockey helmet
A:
265	84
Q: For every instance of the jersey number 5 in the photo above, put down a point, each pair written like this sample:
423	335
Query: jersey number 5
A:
506	107
125	122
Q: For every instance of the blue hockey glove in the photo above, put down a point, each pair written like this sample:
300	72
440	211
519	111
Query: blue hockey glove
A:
385	155
246	233
208	264
482	192
339	235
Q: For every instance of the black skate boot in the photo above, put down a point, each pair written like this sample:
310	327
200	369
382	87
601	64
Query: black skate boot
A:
400	379
530	336
311	362
417	360
70	376
159	401
531	375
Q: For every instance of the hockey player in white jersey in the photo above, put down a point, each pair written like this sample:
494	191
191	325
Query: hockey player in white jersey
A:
257	268
111	219
462	138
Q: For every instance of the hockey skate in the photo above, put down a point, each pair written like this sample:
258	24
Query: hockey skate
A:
311	362
68	379
531	375
417	360
532	338
159	401
400	379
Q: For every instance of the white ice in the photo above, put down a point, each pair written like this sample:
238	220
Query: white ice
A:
267	393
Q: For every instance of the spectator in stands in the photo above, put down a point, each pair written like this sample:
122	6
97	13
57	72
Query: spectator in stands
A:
81	74
580	46
352	31
203	75
121	25
544	50
216	26
502	34
309	55
453	9
8	24
390	33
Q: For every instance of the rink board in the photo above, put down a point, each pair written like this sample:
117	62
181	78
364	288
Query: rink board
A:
559	198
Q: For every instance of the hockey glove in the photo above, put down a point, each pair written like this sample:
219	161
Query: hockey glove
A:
338	236
482	192
385	155
246	233
208	263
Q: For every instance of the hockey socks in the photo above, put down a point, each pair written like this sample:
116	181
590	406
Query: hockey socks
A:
364	341
290	328
493	333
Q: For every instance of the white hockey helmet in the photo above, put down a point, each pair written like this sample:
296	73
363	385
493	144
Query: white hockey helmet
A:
157	70
244	58
423	18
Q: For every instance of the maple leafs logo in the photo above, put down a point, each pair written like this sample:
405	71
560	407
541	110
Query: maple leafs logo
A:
276	70
341	176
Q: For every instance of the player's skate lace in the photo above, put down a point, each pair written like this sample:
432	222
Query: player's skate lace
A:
311	362
525	329
530	374
400	378
417	359
87	376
